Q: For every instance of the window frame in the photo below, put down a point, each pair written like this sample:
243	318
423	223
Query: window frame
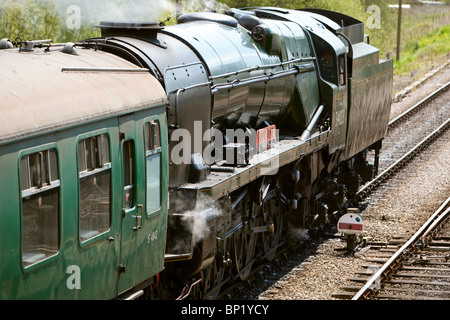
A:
322	47
149	153
86	173
33	191
342	63
132	175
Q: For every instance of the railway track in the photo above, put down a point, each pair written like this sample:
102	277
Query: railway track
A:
366	189
419	267
403	142
416	114
416	267
394	123
409	128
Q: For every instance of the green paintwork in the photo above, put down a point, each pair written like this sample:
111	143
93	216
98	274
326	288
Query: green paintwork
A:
289	101
142	251
371	94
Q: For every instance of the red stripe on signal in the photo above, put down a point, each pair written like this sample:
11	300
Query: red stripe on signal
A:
350	226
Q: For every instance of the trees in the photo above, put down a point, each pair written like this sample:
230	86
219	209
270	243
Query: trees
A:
38	19
71	20
31	19
54	19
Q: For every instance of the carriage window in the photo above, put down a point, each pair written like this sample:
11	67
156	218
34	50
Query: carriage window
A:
128	165
40	186
94	167
153	165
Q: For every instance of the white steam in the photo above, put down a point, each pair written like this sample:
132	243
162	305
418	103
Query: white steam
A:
297	235
203	214
204	5
68	20
92	12
198	222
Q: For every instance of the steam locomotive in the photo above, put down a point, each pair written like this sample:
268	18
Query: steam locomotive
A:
167	160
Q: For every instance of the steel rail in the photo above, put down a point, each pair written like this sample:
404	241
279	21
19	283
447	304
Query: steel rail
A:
281	249
382	176
394	122
430	224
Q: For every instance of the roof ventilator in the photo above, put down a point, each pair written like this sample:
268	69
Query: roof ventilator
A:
5	44
70	48
28	46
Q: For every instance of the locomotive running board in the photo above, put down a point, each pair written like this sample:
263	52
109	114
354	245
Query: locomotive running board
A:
221	183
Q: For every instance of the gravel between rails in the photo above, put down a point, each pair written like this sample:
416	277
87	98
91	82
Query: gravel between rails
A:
395	209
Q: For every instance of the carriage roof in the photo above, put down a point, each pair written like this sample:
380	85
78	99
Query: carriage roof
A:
45	91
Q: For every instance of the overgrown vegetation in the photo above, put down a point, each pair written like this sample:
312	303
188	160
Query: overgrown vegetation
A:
434	45
40	19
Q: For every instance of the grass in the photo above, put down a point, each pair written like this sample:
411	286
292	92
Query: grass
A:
433	45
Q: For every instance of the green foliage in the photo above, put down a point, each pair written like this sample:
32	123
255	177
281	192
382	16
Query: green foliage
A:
37	19
435	44
27	19
72	20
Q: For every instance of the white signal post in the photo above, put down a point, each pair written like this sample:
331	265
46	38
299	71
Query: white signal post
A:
350	225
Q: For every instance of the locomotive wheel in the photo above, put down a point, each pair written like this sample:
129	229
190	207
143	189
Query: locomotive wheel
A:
212	278
273	213
243	250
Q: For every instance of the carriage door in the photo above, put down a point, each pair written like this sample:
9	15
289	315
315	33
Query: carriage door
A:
132	200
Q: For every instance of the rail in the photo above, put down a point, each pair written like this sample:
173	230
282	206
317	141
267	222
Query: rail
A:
382	176
394	122
424	231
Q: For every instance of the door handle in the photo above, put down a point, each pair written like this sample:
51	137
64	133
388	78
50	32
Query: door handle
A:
139	217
